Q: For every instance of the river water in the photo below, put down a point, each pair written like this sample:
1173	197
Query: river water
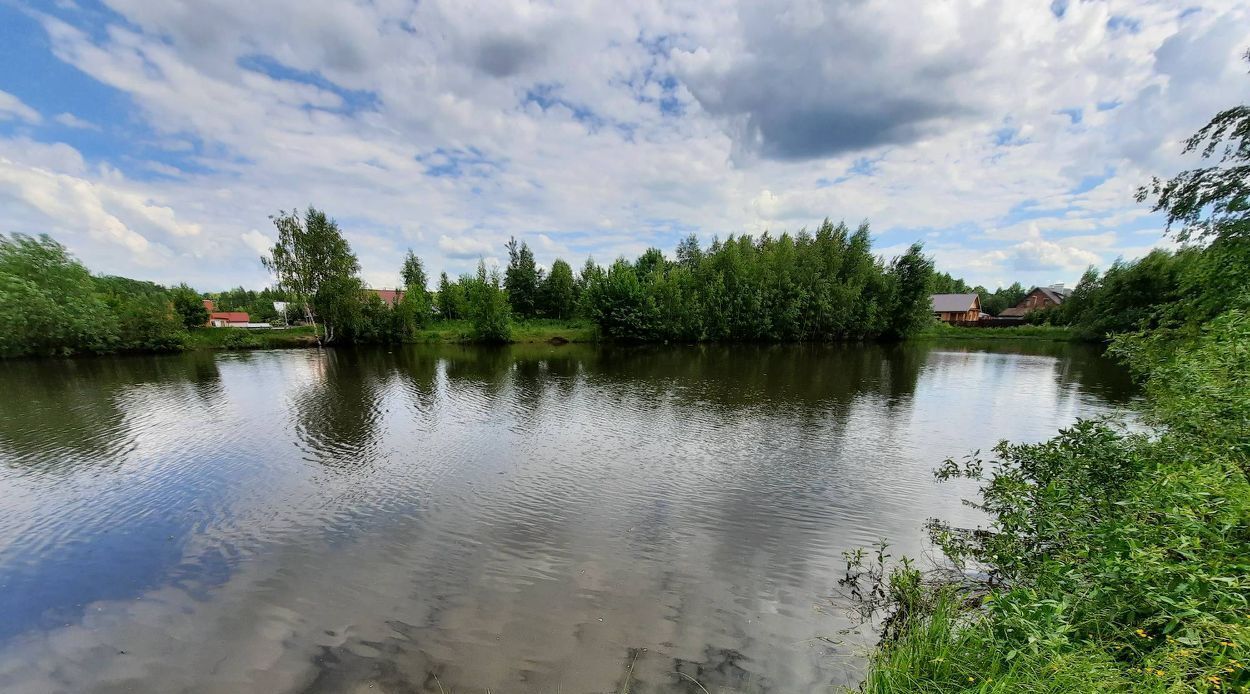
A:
465	519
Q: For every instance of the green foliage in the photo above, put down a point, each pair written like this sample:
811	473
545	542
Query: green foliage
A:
1002	298
450	298
940	330
1117	561
413	312
416	307
522	280
944	283
1213	202
1128	297
315	265
821	287
257	304
559	292
488	308
413	272
189	305
146	322
48	303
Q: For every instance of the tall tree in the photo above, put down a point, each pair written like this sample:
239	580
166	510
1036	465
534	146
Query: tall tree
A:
316	266
688	252
522	279
559	291
413	272
450	298
416	304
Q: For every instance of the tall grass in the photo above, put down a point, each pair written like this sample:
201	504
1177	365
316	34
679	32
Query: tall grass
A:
1114	561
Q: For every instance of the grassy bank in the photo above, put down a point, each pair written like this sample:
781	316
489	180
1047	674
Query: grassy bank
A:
536	330
1015	332
1115	562
240	338
451	331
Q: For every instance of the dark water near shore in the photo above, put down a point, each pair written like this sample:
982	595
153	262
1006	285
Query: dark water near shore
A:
526	519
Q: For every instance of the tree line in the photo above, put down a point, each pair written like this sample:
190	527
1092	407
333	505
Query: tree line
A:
822	286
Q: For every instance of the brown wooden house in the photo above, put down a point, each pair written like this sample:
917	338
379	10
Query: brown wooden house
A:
1037	298
956	308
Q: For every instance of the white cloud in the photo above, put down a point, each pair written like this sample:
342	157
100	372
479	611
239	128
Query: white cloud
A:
604	128
12	107
258	242
69	120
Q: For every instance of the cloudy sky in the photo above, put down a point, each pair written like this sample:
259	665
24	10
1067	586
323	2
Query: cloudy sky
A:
155	138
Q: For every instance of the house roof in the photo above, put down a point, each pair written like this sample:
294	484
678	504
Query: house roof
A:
943	303
1014	312
230	316
390	296
1055	294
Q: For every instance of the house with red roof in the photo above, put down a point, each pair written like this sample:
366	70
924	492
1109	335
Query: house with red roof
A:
226	319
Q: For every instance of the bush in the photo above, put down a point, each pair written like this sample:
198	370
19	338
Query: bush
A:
1119	557
488	309
48	302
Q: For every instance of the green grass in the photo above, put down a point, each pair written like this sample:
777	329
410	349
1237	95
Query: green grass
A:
1015	332
452	331
530	331
1120	556
951	650
241	338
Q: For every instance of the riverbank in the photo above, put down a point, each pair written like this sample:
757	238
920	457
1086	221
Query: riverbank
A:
450	332
560	331
1015	332
1116	561
523	332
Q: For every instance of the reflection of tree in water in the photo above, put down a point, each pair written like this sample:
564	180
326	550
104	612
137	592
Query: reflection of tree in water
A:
417	371
339	413
65	413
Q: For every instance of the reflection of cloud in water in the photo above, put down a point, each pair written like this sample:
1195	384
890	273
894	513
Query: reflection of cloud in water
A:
513	519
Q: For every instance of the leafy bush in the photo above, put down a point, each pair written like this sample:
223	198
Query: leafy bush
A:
1122	555
48	302
487	306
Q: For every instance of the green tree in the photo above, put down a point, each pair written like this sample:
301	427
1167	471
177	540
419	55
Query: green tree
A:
488	307
1212	202
450	298
48	303
911	310
316	266
688	252
559	291
190	306
416	306
413	271
522	279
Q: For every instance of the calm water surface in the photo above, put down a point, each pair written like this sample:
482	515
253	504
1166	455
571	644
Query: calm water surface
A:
528	519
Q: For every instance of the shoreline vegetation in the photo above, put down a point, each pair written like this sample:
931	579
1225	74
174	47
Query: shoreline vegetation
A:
1111	559
822	286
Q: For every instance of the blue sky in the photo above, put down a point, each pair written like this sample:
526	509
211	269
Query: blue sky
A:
155	139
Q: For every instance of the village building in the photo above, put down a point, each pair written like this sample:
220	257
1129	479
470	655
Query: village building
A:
1038	298
956	308
229	319
390	297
